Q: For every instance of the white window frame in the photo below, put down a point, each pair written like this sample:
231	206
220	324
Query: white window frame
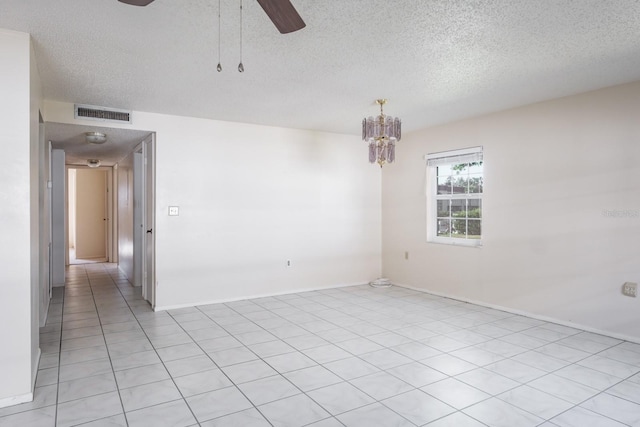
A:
433	160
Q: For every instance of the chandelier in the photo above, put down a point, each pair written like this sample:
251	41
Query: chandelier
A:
381	133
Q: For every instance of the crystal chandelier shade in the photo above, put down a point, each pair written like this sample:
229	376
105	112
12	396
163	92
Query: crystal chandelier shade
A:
381	133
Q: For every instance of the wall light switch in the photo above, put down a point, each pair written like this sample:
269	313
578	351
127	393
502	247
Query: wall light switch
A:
174	210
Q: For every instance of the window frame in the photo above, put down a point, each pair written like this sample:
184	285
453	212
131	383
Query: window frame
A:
456	157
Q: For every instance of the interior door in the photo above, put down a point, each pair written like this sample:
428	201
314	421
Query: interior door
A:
149	209
91	214
138	219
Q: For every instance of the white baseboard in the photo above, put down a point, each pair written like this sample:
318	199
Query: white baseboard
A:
220	301
34	370
527	314
43	320
27	397
16	400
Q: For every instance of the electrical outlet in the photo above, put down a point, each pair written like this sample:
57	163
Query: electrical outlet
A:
630	289
288	263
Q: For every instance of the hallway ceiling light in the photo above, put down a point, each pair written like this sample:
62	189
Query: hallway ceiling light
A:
95	137
93	163
381	133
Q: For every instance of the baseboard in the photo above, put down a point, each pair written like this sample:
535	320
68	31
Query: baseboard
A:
526	313
28	397
125	275
43	320
220	301
34	370
16	400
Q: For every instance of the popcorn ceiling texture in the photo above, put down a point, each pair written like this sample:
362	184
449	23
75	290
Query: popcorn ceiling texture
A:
436	61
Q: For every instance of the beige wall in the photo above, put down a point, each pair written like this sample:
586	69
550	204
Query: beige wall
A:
552	171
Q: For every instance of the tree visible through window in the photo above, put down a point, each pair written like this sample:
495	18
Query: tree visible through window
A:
456	187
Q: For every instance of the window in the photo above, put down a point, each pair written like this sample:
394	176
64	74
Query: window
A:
454	197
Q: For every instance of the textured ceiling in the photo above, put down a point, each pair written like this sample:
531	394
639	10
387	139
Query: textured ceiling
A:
436	60
71	139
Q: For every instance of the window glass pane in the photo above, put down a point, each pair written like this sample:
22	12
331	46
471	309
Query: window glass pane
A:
475	183
475	168
474	208
443	209
460	184
459	207
457	193
459	228
460	168
444	185
444	226
474	228
444	170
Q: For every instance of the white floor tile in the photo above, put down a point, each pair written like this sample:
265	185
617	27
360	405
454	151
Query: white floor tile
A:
375	415
359	352
247	418
455	393
615	408
294	411
497	413
218	403
268	389
202	382
340	398
170	414
581	417
536	402
418	407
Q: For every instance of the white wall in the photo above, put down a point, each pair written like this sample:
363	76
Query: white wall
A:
250	198
16	299
125	195
39	174
551	170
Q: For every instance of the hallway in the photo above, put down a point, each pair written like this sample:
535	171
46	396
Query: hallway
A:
354	356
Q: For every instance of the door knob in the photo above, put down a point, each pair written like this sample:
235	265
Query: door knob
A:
150	231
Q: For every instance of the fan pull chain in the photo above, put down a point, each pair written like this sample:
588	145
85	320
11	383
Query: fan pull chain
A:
219	67
240	66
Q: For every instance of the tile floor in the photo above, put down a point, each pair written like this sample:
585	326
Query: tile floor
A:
354	356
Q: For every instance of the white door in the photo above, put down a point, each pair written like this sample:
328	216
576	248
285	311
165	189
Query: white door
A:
138	219
149	209
91	214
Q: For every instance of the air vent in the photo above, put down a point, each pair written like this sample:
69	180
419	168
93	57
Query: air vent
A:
103	114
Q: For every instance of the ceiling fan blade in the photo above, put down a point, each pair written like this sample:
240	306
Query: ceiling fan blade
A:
136	2
283	15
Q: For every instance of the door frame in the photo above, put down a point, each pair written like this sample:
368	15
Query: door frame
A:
149	284
110	241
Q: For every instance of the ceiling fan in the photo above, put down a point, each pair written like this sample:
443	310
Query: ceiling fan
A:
281	12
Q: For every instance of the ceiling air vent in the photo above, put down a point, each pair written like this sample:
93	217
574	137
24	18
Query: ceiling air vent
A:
103	114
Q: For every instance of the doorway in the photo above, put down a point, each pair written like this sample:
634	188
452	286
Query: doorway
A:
89	213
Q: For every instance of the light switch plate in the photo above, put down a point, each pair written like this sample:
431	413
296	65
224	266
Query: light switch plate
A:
174	210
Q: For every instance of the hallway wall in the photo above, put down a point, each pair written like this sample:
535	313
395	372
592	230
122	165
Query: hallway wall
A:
19	171
252	197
